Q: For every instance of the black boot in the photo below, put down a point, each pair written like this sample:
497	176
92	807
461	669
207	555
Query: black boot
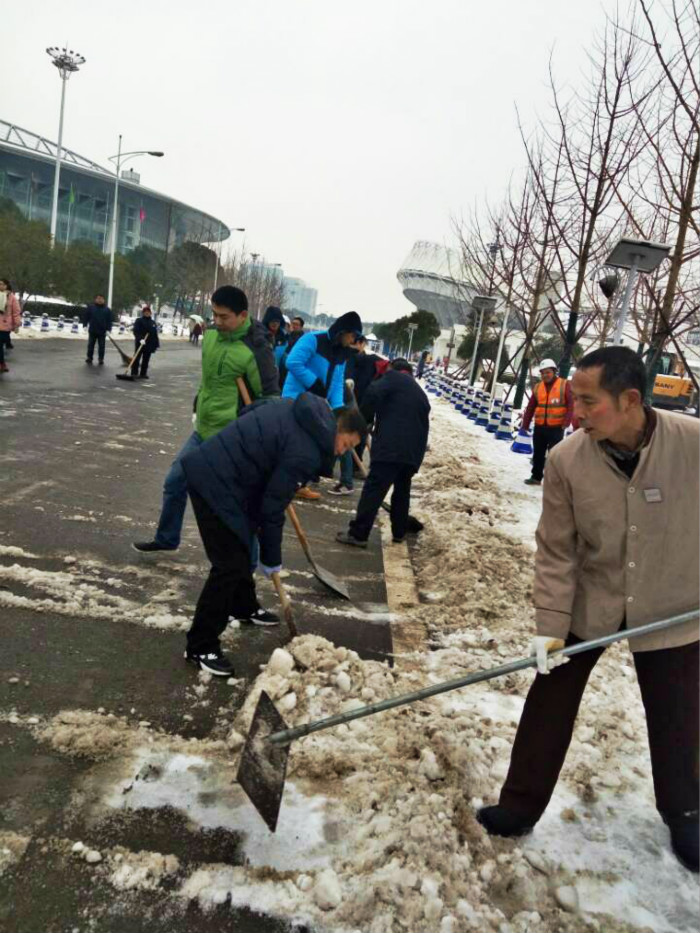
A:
685	838
500	821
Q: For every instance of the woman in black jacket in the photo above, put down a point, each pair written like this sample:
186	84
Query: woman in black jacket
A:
145	326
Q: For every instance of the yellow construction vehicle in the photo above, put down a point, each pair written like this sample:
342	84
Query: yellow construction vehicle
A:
672	387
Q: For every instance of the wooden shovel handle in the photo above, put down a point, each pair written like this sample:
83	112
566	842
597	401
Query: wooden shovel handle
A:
359	464
286	605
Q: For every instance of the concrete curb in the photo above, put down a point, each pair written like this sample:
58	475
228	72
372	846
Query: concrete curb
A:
408	635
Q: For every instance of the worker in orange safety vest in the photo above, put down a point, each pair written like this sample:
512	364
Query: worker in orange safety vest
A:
552	405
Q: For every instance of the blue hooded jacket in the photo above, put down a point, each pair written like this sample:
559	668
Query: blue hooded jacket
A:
249	471
317	362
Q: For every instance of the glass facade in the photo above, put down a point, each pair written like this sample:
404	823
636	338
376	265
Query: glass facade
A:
85	201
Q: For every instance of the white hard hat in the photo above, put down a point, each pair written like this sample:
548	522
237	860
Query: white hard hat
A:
547	364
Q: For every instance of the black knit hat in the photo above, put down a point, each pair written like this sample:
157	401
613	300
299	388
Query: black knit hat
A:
228	296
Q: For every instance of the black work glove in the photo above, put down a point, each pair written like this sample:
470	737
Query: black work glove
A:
318	388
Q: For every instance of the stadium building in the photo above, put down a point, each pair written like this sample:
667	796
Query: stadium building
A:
86	197
432	279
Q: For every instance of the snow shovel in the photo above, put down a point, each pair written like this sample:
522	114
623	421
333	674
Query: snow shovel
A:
286	605
325	576
263	765
127	375
126	359
414	525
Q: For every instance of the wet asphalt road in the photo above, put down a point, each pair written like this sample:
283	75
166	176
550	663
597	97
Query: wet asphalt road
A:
82	459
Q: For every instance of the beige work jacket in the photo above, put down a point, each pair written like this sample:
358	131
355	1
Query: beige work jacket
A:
611	548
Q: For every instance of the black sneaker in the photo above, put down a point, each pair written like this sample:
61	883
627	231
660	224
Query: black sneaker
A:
145	547
102	362
340	489
144	376
399	540
89	362
259	617
214	662
533	482
685	839
344	537
500	821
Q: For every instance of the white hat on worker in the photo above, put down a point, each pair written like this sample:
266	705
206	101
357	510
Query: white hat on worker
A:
547	364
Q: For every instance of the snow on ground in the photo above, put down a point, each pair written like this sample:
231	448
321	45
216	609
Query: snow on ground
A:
35	332
377	830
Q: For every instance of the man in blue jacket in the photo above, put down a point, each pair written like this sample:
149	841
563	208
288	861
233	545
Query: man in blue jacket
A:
98	320
240	482
317	365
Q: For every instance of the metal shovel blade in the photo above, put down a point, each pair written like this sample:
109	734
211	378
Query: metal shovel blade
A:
330	580
263	766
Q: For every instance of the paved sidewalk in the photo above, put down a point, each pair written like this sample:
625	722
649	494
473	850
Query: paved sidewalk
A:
82	461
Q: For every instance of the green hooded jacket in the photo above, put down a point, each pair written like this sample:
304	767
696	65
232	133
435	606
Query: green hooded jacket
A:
227	356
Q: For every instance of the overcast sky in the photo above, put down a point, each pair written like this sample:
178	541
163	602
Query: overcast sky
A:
336	133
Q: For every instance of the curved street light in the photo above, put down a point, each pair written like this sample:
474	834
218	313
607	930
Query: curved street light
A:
119	159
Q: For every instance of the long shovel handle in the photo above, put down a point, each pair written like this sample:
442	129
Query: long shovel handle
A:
291	512
359	464
289	735
286	605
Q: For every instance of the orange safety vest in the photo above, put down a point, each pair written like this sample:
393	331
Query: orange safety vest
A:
551	408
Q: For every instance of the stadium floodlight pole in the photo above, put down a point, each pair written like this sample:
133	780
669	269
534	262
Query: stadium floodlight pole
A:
67	61
636	256
119	159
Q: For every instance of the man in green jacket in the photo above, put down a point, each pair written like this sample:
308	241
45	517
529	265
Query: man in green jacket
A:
235	348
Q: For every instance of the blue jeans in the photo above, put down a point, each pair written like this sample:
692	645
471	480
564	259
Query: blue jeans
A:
346	471
172	513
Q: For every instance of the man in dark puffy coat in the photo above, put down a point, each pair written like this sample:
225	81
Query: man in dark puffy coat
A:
400	410
98	320
240	482
273	322
145	327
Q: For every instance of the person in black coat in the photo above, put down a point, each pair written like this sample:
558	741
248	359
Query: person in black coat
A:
98	320
240	482
400	410
145	326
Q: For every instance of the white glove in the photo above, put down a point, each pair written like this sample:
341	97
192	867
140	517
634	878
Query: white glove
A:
350	383
268	571
194	419
540	646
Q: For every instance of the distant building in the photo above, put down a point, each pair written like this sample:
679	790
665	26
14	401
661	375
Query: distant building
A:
86	197
299	298
432	279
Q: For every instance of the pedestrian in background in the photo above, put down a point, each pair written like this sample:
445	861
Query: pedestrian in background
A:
196	333
296	330
273	321
617	547
145	328
99	322
400	411
552	406
10	319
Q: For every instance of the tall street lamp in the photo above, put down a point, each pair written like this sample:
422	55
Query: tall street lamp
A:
412	328
637	256
480	304
67	61
119	159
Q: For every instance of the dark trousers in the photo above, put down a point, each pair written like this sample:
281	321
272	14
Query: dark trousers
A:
668	680
101	340
141	367
229	590
4	342
382	476
543	439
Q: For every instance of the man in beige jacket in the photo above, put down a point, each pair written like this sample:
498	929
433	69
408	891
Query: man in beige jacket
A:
617	547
